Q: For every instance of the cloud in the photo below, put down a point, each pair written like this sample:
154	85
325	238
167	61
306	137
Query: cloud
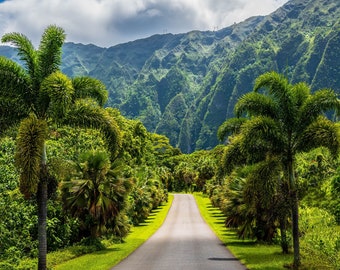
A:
109	22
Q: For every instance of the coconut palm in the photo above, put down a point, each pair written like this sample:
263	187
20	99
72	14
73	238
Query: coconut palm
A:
283	119
36	94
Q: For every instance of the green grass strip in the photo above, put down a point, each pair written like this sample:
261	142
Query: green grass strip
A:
255	256
105	259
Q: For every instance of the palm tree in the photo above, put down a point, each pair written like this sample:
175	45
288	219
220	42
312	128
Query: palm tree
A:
283	119
36	95
94	193
253	204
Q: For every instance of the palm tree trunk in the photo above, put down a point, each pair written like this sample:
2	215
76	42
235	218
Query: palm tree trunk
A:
283	229
295	221
42	213
295	214
42	217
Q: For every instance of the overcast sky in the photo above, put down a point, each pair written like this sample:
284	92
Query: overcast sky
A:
109	22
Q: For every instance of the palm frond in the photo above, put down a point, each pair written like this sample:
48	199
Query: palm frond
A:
50	50
56	94
320	102
87	113
15	83
98	162
30	143
322	132
254	104
260	135
26	51
275	83
86	87
15	94
13	107
232	155
262	181
230	126
301	92
279	88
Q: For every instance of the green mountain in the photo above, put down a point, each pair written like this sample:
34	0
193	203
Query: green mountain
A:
186	85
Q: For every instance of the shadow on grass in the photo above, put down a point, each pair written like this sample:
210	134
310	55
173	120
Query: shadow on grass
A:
219	222
217	215
241	243
222	259
107	250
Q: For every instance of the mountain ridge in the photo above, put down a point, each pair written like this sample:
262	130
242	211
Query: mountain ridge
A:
185	85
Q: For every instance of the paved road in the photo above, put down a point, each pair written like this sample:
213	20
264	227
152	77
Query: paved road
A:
184	241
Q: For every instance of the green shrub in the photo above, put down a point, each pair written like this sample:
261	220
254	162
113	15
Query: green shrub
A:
27	264
6	266
320	242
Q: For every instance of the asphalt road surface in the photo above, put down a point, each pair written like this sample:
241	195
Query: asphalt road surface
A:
184	241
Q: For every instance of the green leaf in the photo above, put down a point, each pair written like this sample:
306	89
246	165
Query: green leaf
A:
86	87
50	50
25	49
56	95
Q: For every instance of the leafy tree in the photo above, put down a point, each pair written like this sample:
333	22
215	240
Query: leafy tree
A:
34	96
283	120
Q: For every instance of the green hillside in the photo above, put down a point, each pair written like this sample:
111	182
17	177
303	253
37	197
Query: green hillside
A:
186	85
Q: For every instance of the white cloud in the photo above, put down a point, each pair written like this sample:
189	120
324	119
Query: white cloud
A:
108	22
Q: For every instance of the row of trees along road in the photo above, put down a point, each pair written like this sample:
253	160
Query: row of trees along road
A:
37	96
274	123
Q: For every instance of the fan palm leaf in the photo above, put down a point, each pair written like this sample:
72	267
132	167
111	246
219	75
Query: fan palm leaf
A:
94	192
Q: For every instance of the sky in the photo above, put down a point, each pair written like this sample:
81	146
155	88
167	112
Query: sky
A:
109	22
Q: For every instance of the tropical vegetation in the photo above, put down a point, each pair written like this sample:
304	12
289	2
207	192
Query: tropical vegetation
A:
280	120
75	174
42	111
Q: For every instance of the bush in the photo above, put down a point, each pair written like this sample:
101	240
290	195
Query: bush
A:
320	242
140	205
6	266
27	264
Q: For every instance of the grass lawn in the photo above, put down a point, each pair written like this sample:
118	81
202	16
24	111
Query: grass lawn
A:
253	255
105	259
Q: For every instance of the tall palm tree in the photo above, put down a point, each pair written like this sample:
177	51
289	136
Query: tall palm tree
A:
283	119
37	94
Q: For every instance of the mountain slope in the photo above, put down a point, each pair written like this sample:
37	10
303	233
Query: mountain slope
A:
186	85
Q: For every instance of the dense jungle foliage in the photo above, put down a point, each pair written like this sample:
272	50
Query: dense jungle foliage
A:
134	184
146	169
105	172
